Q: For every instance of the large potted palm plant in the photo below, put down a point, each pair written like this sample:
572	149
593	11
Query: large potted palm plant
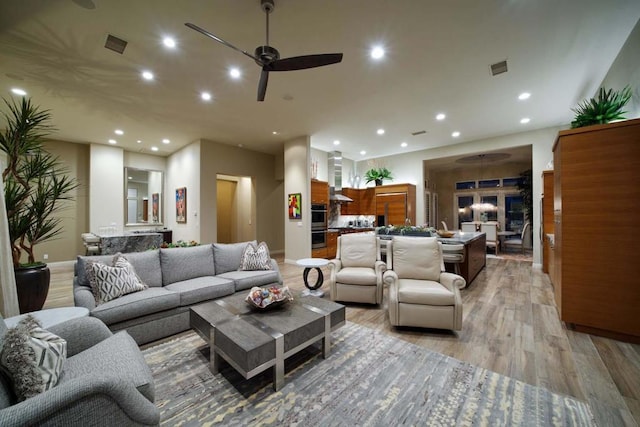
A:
36	187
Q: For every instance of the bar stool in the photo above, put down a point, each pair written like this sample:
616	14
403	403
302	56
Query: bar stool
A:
91	243
453	254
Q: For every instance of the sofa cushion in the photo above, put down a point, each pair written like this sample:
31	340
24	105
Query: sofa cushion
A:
357	276
424	292
417	258
151	300
201	289
81	267
33	357
118	355
147	266
186	263
255	258
227	255
248	279
109	283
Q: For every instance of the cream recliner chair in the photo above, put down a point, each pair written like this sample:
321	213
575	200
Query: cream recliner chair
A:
420	292
356	273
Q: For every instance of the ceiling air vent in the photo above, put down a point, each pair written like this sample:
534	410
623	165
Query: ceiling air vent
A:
499	68
115	44
420	132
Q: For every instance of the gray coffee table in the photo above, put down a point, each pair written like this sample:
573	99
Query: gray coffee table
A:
252	341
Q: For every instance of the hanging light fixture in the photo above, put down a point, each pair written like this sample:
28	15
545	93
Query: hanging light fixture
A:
483	207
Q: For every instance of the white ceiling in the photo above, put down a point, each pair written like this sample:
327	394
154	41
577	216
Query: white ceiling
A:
438	57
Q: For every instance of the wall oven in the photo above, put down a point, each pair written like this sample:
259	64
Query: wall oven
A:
319	217
318	239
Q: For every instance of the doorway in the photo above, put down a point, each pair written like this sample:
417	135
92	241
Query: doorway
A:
235	209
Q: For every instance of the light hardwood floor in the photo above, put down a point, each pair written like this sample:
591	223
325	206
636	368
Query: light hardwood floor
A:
510	326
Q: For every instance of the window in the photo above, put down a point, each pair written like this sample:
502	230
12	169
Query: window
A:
489	183
513	213
489	214
465	213
510	182
465	185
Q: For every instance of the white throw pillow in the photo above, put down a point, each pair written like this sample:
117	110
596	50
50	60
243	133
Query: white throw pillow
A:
33	357
255	258
109	283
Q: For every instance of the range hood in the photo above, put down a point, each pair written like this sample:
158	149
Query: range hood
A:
335	171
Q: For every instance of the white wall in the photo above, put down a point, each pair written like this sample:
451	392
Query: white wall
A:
322	159
625	70
183	170
106	187
297	233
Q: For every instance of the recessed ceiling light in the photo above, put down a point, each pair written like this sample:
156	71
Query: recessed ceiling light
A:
380	131
169	42
440	116
206	96
403	145
275	132
113	141
154	148
336	142
129	177
377	52
525	120
523	96
19	91
119	132
139	141
235	73
147	75
455	134
363	152
166	141
240	145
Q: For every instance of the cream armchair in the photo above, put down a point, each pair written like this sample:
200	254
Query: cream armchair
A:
356	273
420	292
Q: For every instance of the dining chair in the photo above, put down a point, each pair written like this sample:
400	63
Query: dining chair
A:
518	243
468	227
491	231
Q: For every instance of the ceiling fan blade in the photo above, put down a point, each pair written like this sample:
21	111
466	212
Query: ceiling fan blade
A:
262	86
304	62
219	40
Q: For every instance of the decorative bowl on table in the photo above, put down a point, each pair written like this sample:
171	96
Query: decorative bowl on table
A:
266	298
446	233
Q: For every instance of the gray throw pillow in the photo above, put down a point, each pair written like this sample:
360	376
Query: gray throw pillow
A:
255	258
33	358
109	283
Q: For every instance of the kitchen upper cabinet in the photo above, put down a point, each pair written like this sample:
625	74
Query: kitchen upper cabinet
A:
351	208
368	201
319	192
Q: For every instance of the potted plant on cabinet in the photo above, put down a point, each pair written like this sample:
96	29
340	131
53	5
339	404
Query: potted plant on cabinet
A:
36	187
606	108
378	175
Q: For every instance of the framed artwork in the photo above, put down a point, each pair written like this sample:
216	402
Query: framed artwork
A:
181	205
295	206
155	205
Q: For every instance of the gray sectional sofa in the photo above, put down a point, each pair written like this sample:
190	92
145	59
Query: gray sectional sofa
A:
177	278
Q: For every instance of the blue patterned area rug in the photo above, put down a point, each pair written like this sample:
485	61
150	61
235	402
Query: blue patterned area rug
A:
370	379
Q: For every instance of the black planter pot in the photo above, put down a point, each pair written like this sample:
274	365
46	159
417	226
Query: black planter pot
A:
378	182
32	284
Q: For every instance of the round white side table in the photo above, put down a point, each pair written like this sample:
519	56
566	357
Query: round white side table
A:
51	316
308	264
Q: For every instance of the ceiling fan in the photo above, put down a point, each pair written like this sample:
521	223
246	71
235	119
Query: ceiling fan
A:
269	58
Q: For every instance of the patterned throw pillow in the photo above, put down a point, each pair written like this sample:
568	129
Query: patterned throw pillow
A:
255	258
109	283
33	357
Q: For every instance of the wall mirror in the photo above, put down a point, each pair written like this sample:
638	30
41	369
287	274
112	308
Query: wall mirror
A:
143	197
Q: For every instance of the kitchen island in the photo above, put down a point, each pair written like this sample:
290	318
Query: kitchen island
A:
475	252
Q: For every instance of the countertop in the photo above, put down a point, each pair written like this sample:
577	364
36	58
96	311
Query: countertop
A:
458	238
339	229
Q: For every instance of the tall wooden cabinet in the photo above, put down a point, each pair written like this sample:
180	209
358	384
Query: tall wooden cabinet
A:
395	203
319	192
596	228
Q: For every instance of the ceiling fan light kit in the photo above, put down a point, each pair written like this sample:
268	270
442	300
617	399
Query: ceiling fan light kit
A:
268	57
